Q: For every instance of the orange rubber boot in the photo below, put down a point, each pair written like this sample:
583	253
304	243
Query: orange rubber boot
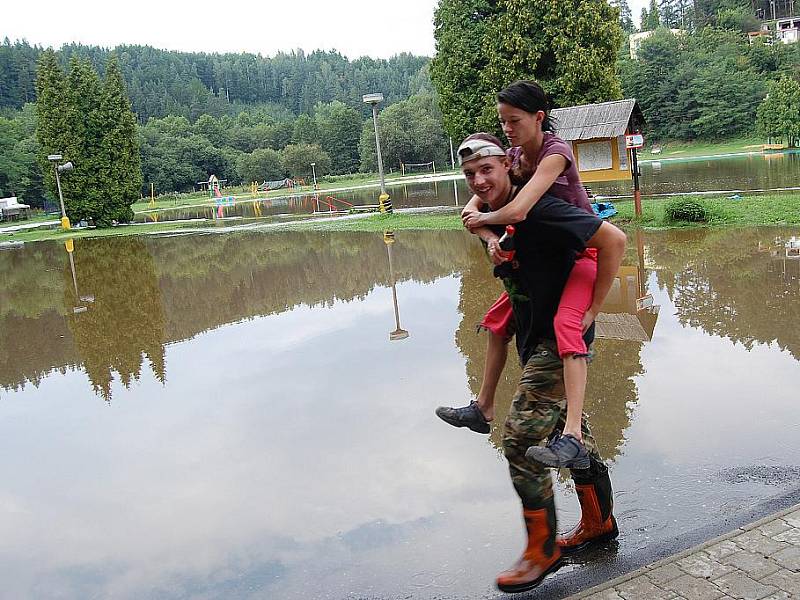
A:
540	558
597	524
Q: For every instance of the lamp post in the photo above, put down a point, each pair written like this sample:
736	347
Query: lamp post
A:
399	333
314	173
373	100
65	168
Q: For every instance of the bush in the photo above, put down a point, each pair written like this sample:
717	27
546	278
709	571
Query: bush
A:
685	209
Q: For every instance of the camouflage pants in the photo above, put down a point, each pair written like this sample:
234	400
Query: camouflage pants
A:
538	411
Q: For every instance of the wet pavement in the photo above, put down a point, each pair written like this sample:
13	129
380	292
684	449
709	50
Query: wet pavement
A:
228	415
760	560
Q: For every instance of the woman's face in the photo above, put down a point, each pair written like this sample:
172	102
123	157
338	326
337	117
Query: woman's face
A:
519	126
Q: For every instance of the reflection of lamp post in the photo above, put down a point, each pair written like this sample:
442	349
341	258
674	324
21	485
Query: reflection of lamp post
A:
69	245
399	333
314	173
374	100
65	168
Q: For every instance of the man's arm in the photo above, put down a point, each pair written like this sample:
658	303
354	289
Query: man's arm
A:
610	244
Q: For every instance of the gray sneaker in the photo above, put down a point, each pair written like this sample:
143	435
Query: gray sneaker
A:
561	451
465	416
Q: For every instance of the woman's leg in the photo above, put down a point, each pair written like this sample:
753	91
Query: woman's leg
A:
496	355
575	301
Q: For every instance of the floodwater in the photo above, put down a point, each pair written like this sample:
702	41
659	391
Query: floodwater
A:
751	172
213	416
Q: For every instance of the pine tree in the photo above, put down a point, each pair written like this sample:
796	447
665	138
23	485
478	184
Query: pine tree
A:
119	148
83	187
625	16
653	17
50	114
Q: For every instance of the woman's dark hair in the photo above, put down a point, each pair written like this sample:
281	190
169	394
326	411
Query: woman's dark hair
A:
530	97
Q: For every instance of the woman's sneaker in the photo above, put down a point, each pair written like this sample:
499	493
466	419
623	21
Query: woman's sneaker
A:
465	416
563	451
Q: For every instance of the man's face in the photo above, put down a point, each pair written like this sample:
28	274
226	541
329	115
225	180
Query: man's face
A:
488	178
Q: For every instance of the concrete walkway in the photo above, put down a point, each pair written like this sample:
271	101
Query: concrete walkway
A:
760	561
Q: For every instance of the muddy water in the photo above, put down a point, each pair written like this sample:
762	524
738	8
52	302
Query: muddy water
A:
751	172
227	416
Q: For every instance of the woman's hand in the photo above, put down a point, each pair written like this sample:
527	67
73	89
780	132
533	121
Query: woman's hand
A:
588	318
472	219
497	255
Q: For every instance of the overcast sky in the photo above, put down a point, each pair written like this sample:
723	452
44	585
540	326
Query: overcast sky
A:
354	27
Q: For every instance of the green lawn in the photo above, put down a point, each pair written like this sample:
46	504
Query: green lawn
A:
676	149
755	209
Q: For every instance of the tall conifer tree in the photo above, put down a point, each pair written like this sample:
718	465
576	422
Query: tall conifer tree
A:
51	108
119	148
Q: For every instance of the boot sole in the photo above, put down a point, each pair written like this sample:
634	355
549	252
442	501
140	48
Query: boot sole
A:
524	587
601	539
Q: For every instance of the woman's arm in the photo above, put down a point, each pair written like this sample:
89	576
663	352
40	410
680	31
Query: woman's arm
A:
515	211
610	243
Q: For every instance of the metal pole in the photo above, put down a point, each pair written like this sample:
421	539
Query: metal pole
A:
452	156
314	173
378	147
637	194
64	219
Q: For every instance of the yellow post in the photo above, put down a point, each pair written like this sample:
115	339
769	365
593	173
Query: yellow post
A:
65	223
385	203
152	194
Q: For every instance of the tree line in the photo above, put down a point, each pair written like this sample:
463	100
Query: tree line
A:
709	81
161	83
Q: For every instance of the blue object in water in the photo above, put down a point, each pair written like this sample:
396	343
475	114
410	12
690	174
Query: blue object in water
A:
604	210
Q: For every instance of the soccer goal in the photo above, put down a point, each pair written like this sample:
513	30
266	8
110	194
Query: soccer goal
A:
415	168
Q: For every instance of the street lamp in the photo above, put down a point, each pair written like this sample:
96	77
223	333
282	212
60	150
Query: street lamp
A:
373	100
314	173
65	168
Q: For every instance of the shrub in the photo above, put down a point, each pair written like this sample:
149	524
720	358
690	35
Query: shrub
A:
685	209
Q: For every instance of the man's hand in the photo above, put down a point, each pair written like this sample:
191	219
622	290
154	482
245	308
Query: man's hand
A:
497	255
472	219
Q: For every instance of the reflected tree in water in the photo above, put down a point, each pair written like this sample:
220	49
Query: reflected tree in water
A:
125	322
733	284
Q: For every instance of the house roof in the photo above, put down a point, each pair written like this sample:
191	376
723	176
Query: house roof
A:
592	121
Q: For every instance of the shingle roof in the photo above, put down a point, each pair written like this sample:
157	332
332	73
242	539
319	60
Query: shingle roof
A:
591	121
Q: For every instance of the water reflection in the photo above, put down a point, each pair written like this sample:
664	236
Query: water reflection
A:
292	451
399	333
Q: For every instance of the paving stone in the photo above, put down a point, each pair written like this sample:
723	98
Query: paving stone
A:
694	588
665	573
755	541
739	585
721	549
789	558
791	536
702	565
793	519
609	594
773	528
787	581
755	565
641	587
779	595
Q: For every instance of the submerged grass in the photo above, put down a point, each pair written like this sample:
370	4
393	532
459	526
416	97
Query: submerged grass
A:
752	210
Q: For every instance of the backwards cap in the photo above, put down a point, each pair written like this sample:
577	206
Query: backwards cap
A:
474	147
